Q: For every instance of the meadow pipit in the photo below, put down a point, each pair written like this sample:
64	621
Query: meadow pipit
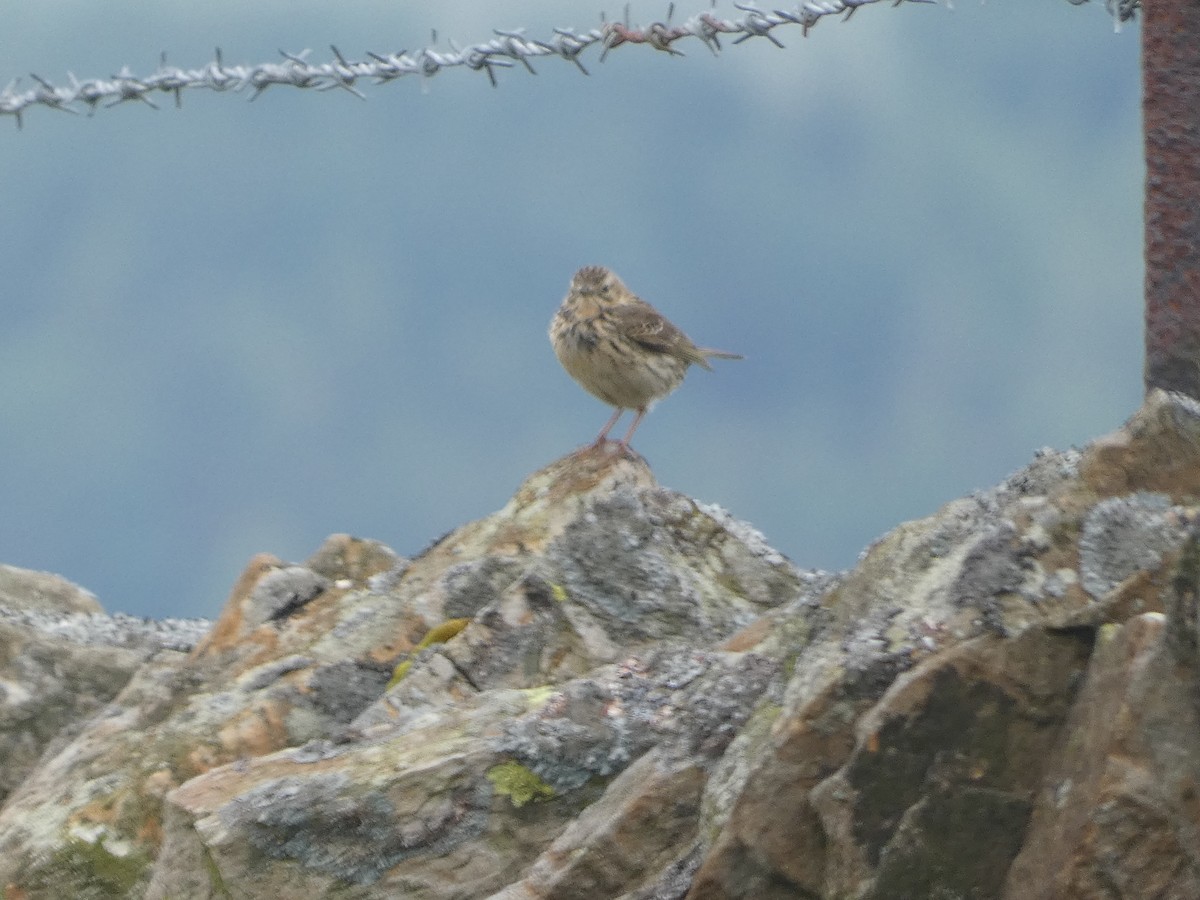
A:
620	348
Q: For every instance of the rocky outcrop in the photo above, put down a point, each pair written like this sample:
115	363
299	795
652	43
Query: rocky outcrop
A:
606	690
61	660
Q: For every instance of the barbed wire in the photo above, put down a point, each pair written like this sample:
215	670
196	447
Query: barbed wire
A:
506	49
1121	11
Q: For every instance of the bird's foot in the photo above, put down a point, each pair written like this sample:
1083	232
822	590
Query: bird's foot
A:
628	452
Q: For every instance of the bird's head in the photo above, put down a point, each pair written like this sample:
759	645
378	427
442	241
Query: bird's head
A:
597	281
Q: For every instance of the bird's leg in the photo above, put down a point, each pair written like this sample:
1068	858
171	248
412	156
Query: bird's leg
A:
637	420
603	435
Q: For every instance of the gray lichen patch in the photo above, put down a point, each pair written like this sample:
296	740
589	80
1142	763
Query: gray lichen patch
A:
686	702
351	832
1122	535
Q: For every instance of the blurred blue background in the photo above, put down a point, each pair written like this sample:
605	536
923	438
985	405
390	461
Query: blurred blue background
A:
240	327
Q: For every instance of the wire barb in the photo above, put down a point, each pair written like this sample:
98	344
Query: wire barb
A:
503	51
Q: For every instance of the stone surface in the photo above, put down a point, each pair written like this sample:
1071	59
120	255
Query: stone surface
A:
43	592
1118	813
606	689
61	660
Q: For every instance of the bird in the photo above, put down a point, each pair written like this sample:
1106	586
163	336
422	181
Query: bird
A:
620	348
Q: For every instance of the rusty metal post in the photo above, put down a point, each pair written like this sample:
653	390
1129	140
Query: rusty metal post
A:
1171	118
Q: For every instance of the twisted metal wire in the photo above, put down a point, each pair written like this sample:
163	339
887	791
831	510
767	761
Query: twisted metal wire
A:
506	49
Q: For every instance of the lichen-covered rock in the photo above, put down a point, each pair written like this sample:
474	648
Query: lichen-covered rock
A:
558	583
565	636
26	589
933	720
1116	814
459	803
61	659
607	690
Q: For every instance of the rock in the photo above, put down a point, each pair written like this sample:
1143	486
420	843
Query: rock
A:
606	689
1118	813
959	739
924	743
634	830
566	636
1122	536
61	660
41	591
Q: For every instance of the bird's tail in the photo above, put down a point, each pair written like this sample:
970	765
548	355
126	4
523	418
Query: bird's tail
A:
709	353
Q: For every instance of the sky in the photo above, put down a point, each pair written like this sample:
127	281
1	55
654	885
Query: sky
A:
239	327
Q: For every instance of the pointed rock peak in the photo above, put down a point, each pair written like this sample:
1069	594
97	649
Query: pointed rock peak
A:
592	469
1158	449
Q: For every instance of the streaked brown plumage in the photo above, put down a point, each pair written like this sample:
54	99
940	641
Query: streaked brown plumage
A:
620	348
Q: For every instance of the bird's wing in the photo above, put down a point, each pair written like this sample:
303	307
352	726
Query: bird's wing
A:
644	325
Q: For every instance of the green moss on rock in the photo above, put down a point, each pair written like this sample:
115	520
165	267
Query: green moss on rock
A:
87	870
438	634
215	879
398	673
519	784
